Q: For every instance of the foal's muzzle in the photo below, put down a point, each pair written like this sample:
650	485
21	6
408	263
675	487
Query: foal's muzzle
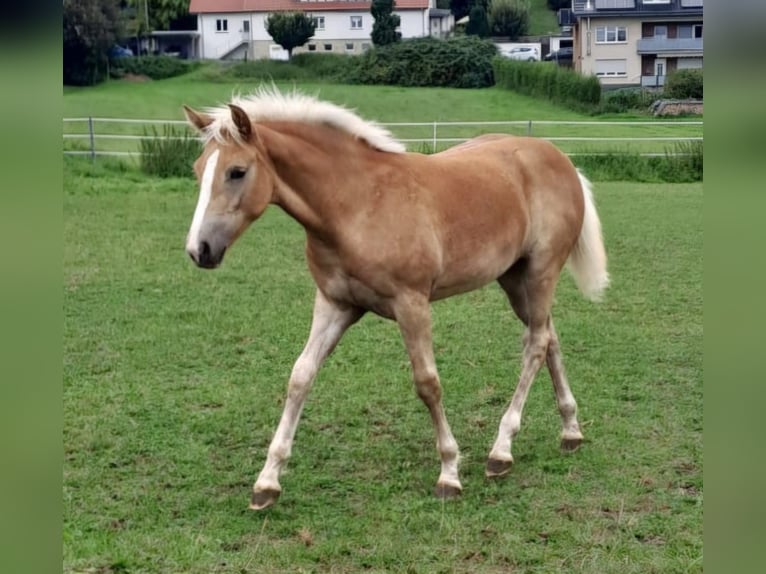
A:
206	256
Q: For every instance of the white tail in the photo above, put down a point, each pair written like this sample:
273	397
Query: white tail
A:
587	262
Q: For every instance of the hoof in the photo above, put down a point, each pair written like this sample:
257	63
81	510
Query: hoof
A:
445	491
264	498
496	467
571	444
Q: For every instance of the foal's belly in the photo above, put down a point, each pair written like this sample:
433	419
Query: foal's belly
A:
471	275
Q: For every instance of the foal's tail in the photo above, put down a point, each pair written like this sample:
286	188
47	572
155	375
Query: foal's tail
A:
587	262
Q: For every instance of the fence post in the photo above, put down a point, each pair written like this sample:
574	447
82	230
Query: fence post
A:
92	138
433	148
529	128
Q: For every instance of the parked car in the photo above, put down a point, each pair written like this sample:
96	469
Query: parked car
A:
526	53
118	51
564	55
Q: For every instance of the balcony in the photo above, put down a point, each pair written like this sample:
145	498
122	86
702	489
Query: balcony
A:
671	46
652	81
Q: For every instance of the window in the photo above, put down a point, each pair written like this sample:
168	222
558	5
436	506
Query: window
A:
690	31
656	1
611	68
320	22
611	34
365	46
312	47
328	47
222	25
349	46
356	22
661	31
245	25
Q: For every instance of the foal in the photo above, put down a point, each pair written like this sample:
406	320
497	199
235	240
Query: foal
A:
389	232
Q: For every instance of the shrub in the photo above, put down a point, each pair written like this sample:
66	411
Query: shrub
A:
547	80
170	154
684	84
154	67
627	99
265	70
464	62
324	66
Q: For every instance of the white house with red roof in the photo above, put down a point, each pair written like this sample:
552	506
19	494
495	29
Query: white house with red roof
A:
235	29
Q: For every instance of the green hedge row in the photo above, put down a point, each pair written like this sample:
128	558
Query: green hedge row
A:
549	81
154	67
463	62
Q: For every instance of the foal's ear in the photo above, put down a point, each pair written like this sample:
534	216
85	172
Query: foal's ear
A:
197	119
242	121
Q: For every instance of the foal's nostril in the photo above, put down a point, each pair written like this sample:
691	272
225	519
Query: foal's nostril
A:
204	251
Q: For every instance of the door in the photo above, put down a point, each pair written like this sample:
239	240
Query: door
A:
660	68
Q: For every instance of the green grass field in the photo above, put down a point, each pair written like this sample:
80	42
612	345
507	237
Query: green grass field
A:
162	100
174	380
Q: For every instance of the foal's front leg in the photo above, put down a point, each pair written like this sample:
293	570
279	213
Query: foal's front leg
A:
329	323
414	317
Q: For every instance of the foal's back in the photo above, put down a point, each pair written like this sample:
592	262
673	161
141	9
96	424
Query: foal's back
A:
494	200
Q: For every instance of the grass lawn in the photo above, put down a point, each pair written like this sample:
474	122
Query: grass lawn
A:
174	380
163	100
542	20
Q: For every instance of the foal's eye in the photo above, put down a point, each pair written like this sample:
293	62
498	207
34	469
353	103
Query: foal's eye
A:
237	173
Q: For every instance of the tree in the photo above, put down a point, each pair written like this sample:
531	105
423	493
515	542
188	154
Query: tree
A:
384	29
290	29
509	18
557	5
478	25
462	8
160	12
91	28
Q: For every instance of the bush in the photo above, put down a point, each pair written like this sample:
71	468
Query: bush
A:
154	67
684	85
324	66
264	70
547	80
627	99
170	154
464	62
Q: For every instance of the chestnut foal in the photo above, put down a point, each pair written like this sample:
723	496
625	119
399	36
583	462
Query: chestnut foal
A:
389	232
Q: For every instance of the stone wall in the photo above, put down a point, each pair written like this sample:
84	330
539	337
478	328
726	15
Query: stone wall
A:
676	107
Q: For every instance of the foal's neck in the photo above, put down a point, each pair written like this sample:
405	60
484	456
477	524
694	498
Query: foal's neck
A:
314	164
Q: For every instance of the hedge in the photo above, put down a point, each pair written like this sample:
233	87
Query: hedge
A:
549	81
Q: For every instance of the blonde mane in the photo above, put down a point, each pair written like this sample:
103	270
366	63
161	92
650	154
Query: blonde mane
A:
268	103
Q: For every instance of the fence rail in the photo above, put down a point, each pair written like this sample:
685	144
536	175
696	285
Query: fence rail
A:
121	136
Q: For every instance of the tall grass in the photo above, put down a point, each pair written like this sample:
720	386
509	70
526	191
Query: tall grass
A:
170	153
681	163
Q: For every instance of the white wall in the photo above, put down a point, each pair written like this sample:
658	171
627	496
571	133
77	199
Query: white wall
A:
213	44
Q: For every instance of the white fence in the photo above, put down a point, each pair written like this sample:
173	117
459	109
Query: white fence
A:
94	136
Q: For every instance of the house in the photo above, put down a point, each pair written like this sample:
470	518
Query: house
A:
235	29
636	42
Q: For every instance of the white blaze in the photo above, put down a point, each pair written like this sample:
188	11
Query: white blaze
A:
205	190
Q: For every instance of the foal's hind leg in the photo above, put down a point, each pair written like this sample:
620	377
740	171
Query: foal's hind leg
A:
531	297
413	314
571	437
515	284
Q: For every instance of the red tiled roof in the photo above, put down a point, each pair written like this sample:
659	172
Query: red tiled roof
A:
224	6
